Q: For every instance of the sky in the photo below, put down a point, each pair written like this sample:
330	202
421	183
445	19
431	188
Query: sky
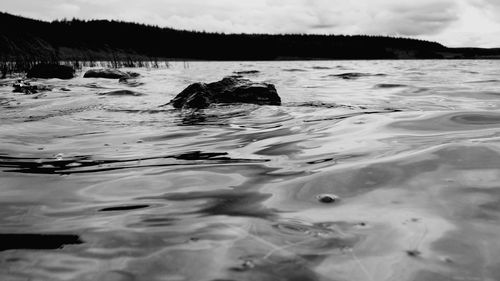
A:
454	23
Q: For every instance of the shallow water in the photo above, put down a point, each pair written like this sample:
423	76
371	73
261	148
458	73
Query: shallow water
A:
97	186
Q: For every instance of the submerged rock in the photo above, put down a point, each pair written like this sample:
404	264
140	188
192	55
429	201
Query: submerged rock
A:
45	70
109	73
228	90
28	89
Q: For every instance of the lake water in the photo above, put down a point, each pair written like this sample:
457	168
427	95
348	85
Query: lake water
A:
110	187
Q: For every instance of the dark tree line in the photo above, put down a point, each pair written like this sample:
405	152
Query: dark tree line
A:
23	39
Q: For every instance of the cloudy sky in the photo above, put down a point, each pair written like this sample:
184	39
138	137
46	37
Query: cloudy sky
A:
450	22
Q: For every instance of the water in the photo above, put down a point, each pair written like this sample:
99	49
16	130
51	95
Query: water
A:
116	187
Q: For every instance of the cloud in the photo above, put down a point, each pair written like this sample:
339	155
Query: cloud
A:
452	22
69	10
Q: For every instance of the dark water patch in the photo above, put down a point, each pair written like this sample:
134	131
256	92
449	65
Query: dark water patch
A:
483	81
122	93
389	86
216	115
123	208
319	161
321	105
245	72
37	241
155	221
469	72
476	119
332	159
294	70
355	75
231	202
85	164
321	67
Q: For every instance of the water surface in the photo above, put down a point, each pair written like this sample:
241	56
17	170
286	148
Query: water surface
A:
99	186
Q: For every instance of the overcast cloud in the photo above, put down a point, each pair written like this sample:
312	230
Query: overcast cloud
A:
451	22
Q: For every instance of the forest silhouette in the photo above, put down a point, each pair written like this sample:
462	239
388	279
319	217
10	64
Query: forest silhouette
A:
27	41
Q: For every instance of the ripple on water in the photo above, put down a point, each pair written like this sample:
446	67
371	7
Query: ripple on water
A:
173	189
456	121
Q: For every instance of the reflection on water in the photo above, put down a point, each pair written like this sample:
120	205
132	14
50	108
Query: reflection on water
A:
370	170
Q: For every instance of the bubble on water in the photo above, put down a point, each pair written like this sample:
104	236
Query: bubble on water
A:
59	156
327	198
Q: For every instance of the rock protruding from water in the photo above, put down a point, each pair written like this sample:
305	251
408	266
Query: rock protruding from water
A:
228	90
28	89
109	73
46	70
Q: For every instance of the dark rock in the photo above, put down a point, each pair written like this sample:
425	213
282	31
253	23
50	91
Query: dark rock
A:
45	70
28	89
121	93
228	90
109	74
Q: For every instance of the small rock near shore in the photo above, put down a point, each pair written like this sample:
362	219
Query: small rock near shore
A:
28	89
109	73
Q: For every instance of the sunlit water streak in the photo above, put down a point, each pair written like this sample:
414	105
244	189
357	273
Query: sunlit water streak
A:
98	186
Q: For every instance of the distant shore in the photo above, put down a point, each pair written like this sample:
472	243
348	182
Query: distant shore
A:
132	44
